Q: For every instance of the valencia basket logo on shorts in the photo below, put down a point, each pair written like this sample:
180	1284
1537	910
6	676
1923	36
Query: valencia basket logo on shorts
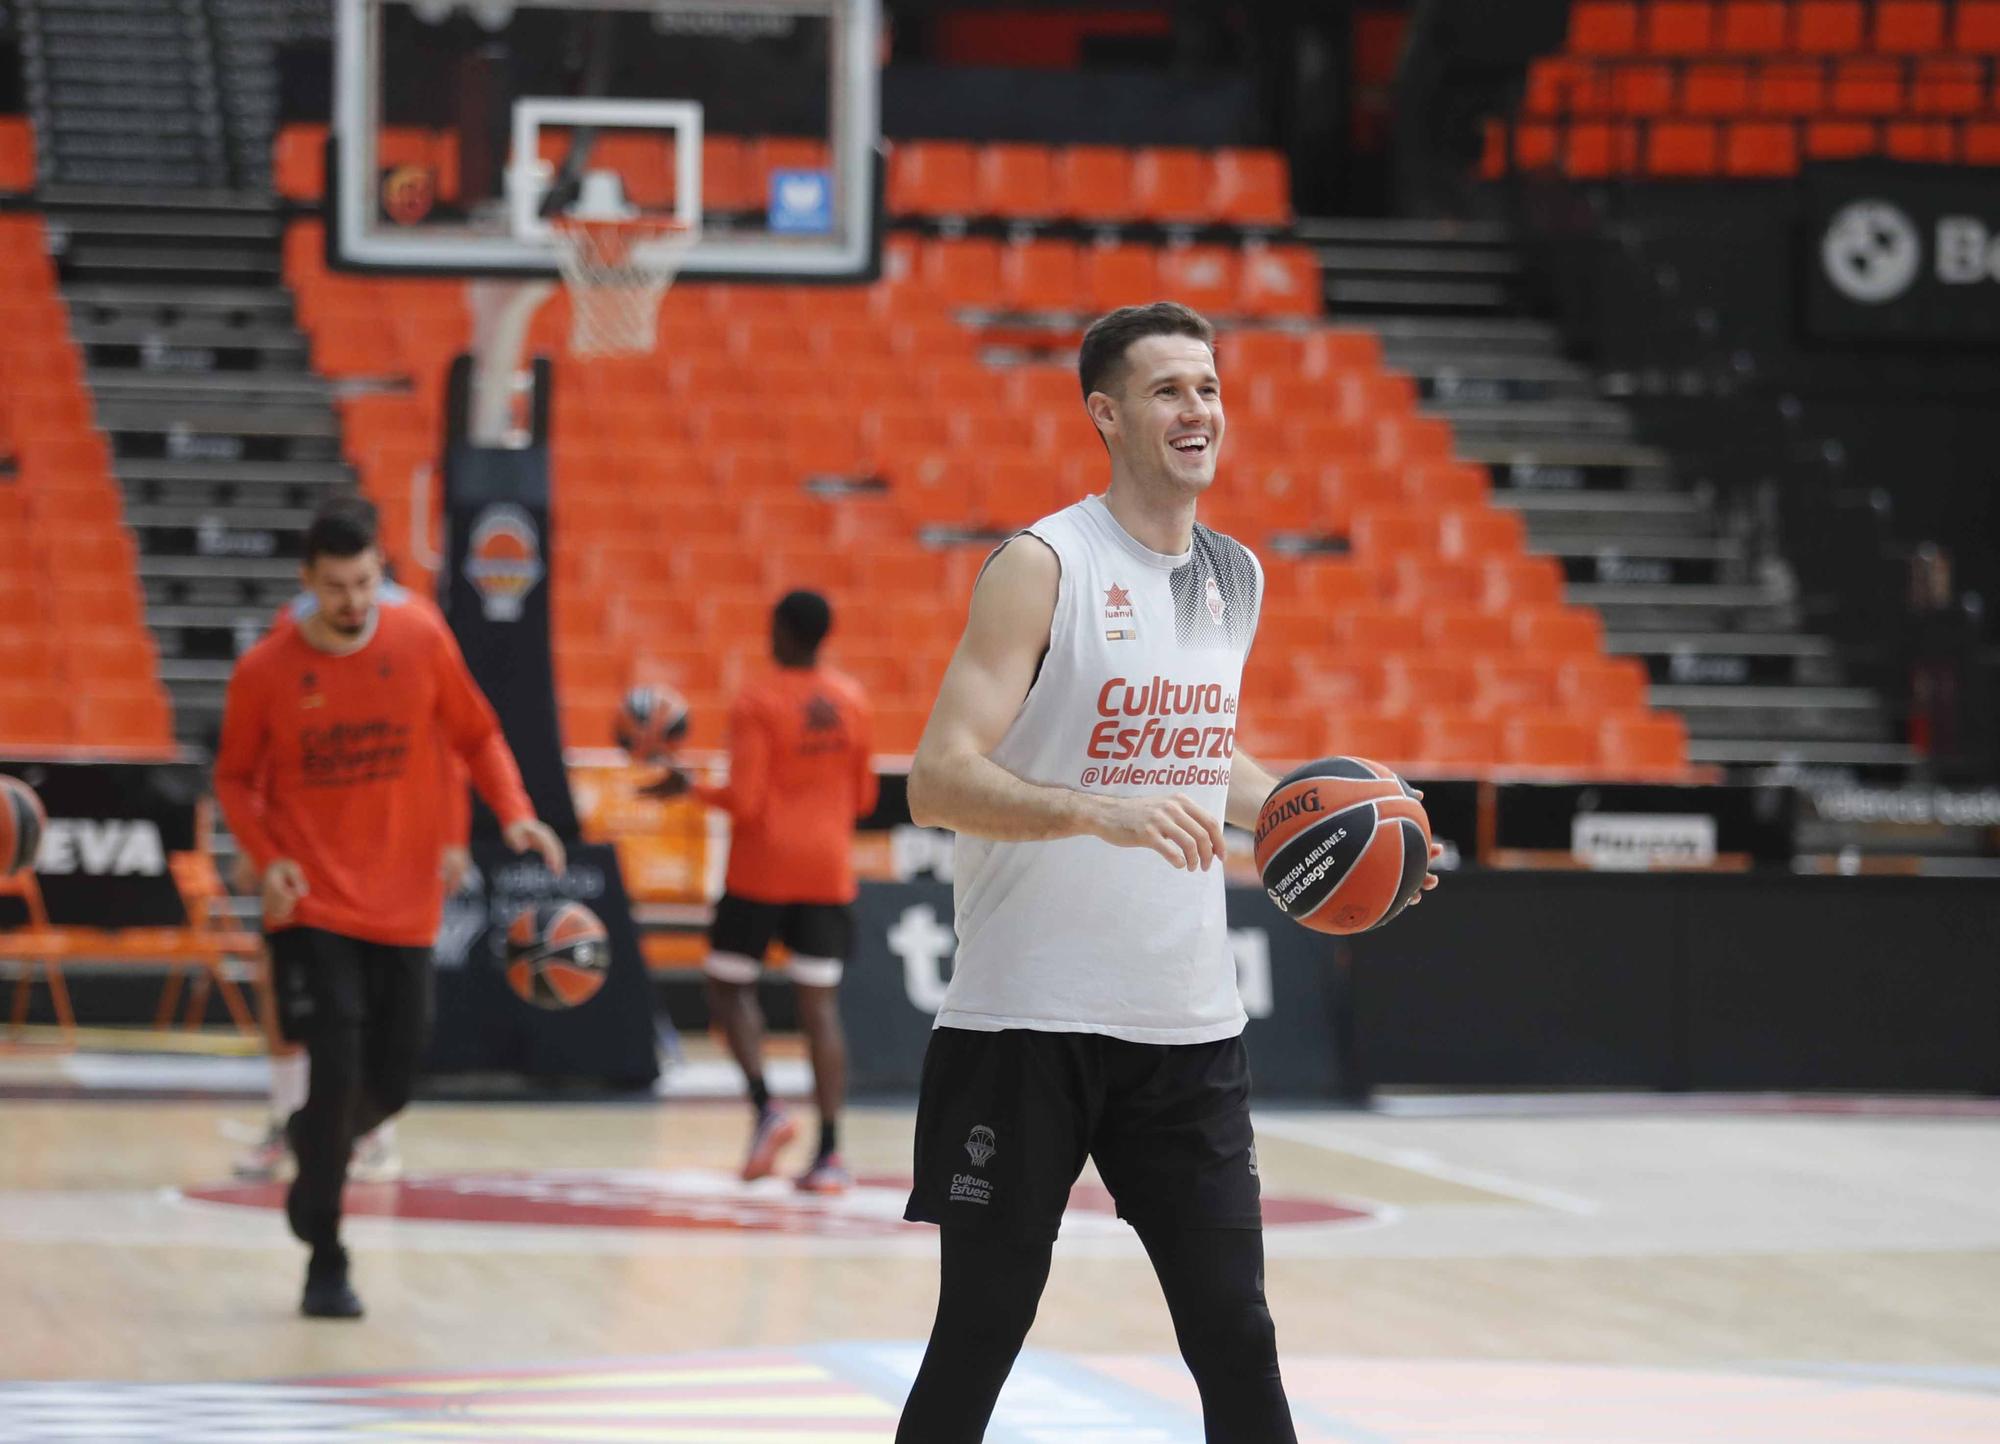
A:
979	1146
504	560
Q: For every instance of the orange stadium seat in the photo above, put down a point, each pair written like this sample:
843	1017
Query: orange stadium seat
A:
1604	27
962	272
1120	275
1867	86
1795	88
1828	27
1678	27
1094	182
1716	89
1840	139
1909	27
1252	188
1975	27
1510	682
1280	281
1982	143
1760	148
17	155
933	178
1682	148
1648	745
1042	275
1603	684
1017	180
1457	742
729	179
1559	629
1371	735
1172	184
1754	27
1467	630
1554	741
1948	85
1204	277
1919	140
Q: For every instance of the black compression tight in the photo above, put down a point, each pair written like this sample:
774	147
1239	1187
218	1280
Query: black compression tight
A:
990	1286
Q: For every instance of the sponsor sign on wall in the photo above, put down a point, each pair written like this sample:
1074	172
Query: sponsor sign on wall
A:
1902	253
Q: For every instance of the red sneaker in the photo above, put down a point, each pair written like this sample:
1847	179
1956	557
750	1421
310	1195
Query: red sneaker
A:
829	1175
774	1130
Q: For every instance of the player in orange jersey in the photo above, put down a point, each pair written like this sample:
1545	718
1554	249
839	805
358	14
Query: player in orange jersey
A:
332	735
376	1158
799	779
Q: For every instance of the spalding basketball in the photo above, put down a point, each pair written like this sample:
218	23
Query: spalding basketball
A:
21	825
651	722
557	955
1343	845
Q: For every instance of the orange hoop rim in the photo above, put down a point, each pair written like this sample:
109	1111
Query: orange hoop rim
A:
612	239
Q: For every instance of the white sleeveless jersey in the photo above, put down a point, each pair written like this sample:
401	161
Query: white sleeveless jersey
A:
1136	697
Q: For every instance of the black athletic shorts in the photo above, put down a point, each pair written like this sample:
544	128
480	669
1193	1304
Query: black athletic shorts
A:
819	936
1005	1121
318	975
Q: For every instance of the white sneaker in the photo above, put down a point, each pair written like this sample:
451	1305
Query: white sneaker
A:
376	1158
267	1159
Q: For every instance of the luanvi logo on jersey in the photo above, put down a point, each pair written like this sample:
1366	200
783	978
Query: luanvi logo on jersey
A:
979	1146
1118	615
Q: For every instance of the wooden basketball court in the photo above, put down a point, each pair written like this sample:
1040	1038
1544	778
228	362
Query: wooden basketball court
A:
1619	1271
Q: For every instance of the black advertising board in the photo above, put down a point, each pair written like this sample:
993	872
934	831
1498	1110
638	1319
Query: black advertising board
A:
1901	253
483	1027
112	827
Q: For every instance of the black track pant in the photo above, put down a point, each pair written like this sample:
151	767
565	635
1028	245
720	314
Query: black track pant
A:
991	1283
363	1011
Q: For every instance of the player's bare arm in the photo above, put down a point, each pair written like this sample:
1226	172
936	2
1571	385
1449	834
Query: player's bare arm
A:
955	783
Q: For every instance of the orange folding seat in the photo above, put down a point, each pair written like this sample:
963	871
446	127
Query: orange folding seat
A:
1462	629
1760	148
1042	275
1008	494
1646	745
35	716
1550	741
1949	85
932	339
1424	682
1682	148
1248	353
1513	682
1379	533
1920	140
1335	677
1602	684
30	654
933	178
298	162
1094	183
88	600
1604	27
1204	277
1446	484
1828	27
1252	188
1172	184
1716	89
1909	27
138	718
1642	90
1420	582
1280	281
1457	742
1536	147
1377	737
1841	139
1559	629
1981	141
850	344
891	429
1975	27
93	653
1789	87
1120	275
1597	150
825	440
1034	387
1472	533
1678	27
1754	27
1377	628
1867	87
1337	585
729	179
961	272
1553	86
1016	180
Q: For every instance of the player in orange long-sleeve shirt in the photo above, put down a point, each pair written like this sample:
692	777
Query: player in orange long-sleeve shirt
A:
799	779
376	1158
332	735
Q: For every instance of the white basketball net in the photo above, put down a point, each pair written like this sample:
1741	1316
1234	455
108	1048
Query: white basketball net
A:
616	271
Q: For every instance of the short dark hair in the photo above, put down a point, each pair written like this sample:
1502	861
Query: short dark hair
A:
806	618
1100	364
345	526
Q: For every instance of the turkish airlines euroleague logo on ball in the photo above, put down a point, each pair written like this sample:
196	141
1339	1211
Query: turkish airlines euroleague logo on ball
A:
504	561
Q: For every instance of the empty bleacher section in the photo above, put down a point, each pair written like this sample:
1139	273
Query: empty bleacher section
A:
1752	89
77	665
876	441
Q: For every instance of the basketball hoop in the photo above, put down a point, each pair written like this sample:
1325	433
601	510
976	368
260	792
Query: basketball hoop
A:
616	271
